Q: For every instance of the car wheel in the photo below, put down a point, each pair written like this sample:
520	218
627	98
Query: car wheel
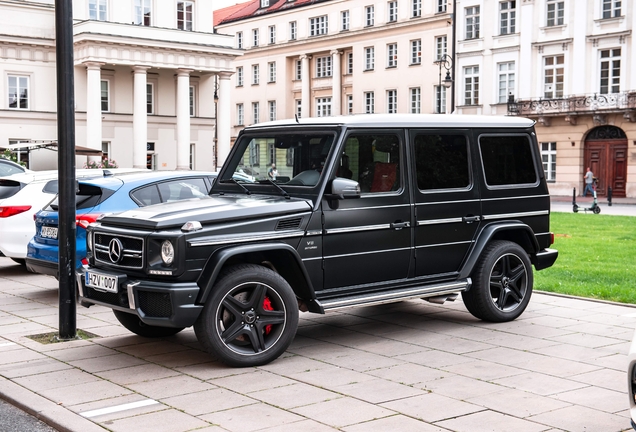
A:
250	317
135	325
502	283
597	210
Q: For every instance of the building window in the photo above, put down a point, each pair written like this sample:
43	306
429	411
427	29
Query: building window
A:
299	108
555	12
18	92
610	71
255	112
323	67
143	12
506	72
105	149
299	70
416	100
471	85
349	104
105	85
369	12
392	11
271	72
369	102
344	20
150	98
151	156
255	37
192	100
369	58
391	55
240	114
271	153
272	34
472	22
239	40
255	74
440	47
507	17
239	76
323	107
255	153
289	157
553	74
264	3
416	51
391	101
416	10
185	12
293	30
441	6
611	8
318	25
440	99
548	156
97	9
349	63
271	105
192	155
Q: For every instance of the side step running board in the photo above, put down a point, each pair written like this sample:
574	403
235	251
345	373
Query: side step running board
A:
395	295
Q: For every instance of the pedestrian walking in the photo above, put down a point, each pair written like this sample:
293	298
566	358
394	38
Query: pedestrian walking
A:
589	182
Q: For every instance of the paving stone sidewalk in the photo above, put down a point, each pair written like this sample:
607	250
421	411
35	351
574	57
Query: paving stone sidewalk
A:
410	366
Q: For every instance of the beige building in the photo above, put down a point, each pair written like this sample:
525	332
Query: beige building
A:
148	74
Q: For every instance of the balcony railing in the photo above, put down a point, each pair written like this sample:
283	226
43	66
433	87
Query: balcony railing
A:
572	105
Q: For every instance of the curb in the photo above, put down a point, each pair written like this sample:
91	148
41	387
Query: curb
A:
43	409
593	300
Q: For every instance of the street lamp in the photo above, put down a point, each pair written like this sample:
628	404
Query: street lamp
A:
447	62
216	121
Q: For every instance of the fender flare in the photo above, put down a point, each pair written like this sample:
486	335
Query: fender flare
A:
486	236
217	260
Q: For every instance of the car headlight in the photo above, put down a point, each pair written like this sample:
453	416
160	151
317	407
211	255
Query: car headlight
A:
89	241
167	252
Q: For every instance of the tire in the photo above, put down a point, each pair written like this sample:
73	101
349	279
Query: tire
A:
597	210
575	208
502	283
250	318
134	324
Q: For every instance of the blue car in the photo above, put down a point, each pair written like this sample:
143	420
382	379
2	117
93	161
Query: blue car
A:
109	193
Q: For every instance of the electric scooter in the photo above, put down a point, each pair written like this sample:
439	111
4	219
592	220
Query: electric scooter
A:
593	208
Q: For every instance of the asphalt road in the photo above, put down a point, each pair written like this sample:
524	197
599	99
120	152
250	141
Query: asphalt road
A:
13	419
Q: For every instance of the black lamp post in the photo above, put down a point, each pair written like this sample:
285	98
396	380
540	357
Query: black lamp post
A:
216	121
445	61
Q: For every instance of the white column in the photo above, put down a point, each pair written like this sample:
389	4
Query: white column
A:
183	119
93	108
304	92
336	97
140	117
223	119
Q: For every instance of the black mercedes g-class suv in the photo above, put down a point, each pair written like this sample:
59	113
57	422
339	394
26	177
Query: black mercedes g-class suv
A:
325	213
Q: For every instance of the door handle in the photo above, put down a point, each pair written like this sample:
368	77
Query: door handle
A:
471	219
399	225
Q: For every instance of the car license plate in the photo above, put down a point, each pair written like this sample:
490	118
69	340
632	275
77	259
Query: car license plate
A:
49	232
101	281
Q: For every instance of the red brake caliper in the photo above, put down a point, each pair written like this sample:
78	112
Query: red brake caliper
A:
267	305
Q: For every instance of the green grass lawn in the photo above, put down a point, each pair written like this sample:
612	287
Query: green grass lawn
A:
597	257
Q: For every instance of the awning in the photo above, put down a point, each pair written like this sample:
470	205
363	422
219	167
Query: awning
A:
50	145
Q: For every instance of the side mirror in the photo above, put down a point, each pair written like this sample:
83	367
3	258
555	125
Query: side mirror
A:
342	188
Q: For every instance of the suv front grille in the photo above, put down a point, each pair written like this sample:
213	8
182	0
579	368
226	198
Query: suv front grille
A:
118	250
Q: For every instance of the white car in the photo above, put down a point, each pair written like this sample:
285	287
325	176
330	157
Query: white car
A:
23	195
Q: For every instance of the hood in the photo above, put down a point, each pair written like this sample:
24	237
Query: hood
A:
216	208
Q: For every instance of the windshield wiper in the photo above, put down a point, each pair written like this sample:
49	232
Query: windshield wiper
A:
231	180
282	191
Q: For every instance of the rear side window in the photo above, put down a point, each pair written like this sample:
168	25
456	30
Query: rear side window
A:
507	160
8	188
182	189
441	161
147	195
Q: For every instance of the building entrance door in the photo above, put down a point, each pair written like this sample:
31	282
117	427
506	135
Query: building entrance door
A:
606	155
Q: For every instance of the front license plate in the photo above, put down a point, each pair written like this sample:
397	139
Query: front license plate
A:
101	281
49	232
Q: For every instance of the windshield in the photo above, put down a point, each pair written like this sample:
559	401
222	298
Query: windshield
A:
291	159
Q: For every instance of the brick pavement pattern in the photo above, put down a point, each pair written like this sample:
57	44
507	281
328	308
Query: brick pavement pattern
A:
410	366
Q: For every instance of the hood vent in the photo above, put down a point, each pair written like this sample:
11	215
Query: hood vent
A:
289	224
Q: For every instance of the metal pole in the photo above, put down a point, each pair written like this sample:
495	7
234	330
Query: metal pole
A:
439	90
453	55
66	167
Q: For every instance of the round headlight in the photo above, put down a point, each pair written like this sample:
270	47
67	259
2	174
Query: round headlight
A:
167	252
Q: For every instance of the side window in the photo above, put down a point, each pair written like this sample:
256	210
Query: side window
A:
182	189
441	161
507	160
373	160
146	195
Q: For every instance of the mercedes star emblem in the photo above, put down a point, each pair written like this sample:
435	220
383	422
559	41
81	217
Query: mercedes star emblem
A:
115	250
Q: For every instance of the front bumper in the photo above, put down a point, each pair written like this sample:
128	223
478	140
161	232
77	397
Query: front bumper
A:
156	303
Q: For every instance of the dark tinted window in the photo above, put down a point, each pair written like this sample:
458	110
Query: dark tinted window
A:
87	196
373	160
8	188
147	195
441	161
507	160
